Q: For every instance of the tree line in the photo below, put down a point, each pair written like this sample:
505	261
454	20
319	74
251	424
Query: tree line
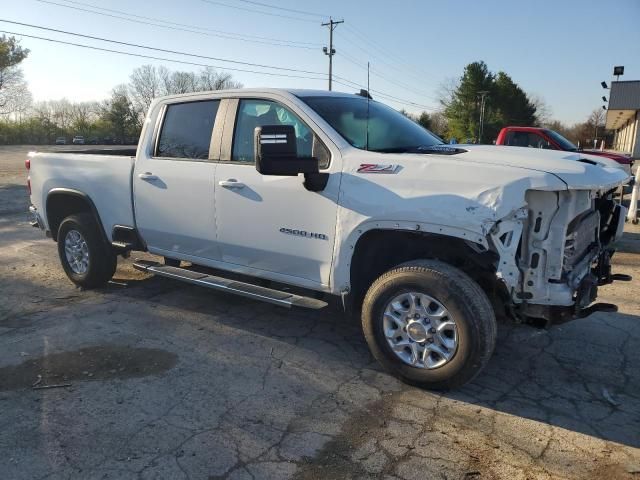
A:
118	119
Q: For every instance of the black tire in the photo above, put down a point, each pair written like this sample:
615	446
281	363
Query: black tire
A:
462	297
102	258
172	262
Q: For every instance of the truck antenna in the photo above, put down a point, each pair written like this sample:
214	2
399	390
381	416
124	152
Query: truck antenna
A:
368	102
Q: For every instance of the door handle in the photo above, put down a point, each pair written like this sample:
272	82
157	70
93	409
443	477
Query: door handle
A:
231	183
147	176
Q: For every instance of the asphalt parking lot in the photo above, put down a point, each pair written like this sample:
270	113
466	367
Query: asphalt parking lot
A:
167	380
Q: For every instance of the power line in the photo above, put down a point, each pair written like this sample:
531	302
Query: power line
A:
382	59
351	84
75	2
341	80
383	50
163	50
181	27
283	8
395	82
253	10
375	72
164	59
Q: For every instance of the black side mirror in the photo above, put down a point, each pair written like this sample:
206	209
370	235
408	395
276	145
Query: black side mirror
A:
276	152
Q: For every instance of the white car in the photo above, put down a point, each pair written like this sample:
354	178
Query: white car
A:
340	195
78	140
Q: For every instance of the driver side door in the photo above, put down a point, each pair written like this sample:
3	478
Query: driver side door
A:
272	226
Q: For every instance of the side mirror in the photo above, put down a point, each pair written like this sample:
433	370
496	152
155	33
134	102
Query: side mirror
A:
276	152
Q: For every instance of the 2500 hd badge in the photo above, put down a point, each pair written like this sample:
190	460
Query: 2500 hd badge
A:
304	233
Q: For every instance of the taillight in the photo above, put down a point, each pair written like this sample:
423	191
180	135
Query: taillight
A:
27	164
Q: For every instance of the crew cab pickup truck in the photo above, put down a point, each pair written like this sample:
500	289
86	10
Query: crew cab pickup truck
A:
536	137
296	197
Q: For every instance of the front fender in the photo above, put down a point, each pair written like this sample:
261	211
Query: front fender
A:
342	262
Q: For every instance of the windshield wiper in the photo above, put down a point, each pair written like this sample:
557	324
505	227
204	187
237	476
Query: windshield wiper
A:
441	149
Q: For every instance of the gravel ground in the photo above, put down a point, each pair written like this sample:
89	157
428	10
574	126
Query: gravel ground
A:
172	381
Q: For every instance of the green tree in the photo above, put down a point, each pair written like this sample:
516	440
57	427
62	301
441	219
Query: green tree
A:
11	53
424	119
120	113
505	104
512	105
463	108
13	88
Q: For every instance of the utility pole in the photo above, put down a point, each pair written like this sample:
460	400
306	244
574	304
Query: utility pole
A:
331	51
483	96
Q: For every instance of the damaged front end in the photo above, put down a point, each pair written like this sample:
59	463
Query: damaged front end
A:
556	252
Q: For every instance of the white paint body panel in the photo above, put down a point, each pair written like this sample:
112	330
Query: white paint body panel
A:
196	219
105	178
175	213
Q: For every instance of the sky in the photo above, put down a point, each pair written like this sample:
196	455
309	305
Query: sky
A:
558	50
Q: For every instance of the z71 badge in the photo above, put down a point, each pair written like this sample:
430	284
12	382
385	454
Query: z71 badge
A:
378	168
304	233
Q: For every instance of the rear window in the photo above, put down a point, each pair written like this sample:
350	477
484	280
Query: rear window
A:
186	131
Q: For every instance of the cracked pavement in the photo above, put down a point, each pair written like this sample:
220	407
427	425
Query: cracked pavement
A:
172	381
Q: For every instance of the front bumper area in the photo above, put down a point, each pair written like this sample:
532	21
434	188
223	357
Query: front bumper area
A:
584	298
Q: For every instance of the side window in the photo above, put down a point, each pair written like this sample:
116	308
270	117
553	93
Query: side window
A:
186	130
520	139
258	113
537	141
526	139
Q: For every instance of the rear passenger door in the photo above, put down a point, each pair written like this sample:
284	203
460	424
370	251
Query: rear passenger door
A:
174	183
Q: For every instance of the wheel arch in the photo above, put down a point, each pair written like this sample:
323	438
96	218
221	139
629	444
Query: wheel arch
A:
377	250
62	202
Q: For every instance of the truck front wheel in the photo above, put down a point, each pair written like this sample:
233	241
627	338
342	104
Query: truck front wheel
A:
429	324
86	259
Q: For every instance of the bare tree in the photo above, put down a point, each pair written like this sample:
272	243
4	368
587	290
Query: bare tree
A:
543	110
172	82
211	79
184	82
17	101
148	82
62	113
145	84
164	75
83	115
597	118
439	123
447	90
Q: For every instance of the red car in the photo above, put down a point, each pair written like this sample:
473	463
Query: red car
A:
535	137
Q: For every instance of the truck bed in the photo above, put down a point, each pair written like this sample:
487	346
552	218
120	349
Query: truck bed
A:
105	178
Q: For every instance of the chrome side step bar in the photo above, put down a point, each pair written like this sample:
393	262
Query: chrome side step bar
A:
277	297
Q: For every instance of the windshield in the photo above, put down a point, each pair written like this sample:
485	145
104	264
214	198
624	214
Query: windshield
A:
388	130
563	142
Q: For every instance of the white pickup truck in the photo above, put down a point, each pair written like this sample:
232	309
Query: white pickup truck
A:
339	195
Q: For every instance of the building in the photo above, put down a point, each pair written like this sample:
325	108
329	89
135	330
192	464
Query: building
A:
623	116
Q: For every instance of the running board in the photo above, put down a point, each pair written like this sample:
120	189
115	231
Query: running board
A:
277	297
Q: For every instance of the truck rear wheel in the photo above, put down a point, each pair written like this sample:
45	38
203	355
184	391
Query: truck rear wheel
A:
429	324
86	259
